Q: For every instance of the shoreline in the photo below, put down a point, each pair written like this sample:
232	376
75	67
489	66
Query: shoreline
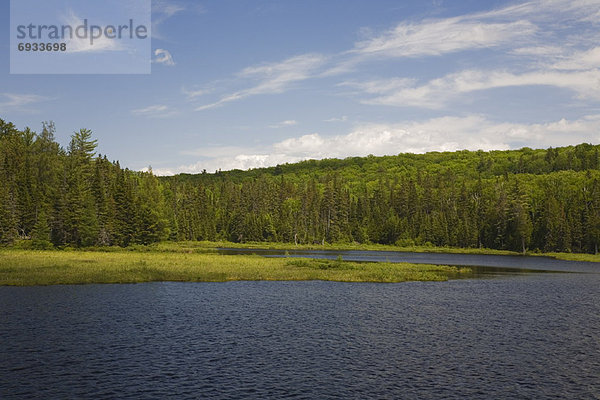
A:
48	267
208	246
200	262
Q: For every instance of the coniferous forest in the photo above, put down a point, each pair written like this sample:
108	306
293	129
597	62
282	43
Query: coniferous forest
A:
546	200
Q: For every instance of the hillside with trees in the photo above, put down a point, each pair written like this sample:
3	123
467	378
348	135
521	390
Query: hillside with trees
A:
544	199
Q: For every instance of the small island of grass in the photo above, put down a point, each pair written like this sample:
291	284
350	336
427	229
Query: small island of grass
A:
29	267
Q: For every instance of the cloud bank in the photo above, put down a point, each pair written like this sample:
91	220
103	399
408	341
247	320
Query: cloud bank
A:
437	134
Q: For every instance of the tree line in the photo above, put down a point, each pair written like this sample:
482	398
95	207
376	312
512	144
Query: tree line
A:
547	199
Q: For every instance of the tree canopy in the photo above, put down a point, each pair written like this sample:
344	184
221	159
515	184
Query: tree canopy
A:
546	199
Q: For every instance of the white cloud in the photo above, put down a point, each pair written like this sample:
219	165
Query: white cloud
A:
593	17
581	60
438	134
283	124
79	45
19	101
162	10
438	92
343	118
237	161
380	86
163	56
166	8
539	51
212	151
273	78
541	54
155	111
433	38
534	36
444	134
523	24
191	94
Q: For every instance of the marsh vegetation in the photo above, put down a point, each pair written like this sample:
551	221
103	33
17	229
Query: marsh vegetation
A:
26	267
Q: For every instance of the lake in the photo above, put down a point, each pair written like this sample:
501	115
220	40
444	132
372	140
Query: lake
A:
481	261
534	335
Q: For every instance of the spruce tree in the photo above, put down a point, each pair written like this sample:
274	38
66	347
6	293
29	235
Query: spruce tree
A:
40	236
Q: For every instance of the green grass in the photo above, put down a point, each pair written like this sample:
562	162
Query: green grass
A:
198	262
575	256
28	267
206	246
210	247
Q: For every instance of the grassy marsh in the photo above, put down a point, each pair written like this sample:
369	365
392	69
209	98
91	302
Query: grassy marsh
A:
28	267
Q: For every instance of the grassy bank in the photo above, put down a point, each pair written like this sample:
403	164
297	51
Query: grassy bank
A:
206	246
574	256
27	267
209	247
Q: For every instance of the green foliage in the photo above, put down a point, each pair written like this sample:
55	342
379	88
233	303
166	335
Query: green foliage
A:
518	200
40	236
49	196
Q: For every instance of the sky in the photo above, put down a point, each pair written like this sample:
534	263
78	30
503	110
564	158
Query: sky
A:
246	84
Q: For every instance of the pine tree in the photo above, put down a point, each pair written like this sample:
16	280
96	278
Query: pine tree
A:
40	236
125	215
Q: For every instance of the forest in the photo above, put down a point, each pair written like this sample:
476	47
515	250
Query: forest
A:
522	200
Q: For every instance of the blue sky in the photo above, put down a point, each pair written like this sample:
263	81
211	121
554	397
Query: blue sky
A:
243	84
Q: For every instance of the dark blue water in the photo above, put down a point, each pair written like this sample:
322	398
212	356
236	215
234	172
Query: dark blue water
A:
474	260
528	336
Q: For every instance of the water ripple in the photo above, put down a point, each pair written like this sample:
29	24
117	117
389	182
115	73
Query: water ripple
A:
515	337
